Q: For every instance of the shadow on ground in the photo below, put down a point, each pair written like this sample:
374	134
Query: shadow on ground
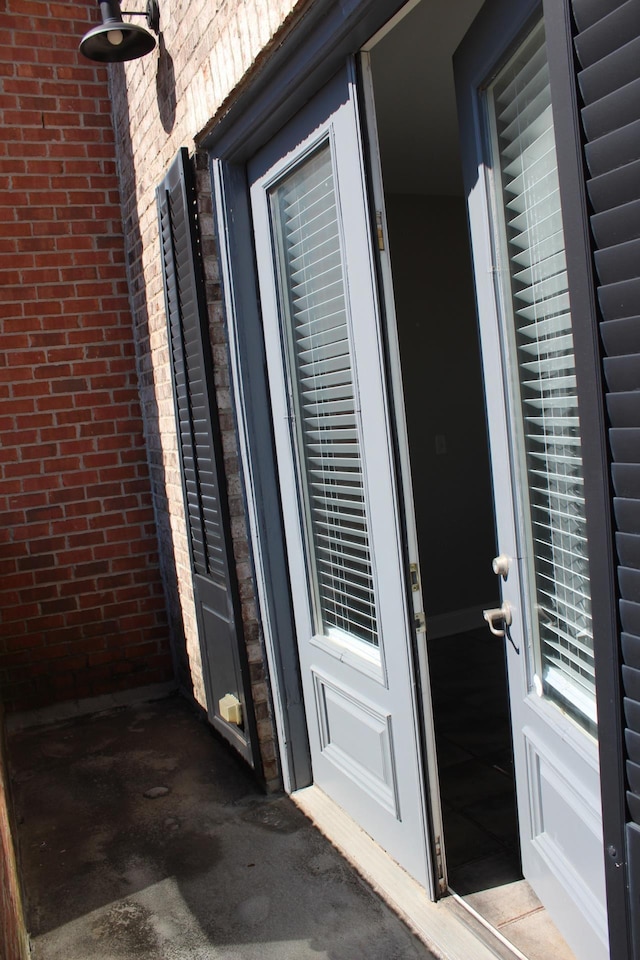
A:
210	869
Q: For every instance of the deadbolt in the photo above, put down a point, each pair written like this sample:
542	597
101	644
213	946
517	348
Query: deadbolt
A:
501	566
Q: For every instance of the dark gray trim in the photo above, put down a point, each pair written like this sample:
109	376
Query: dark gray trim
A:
607	45
240	289
218	610
327	34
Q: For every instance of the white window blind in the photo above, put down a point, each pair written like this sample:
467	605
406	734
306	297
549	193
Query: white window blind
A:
326	436
534	258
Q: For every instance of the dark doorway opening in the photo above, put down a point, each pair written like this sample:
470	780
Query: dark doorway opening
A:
434	305
475	761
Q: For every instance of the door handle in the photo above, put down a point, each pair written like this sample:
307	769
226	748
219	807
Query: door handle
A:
498	613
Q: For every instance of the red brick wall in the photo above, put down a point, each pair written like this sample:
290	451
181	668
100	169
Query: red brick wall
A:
81	602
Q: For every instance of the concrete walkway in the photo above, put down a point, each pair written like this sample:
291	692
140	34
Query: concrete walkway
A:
141	836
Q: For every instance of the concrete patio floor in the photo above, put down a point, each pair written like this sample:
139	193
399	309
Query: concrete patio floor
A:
206	868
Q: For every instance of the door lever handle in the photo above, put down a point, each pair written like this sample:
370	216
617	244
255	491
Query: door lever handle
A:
498	613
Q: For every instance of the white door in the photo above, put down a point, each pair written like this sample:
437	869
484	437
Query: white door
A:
335	461
535	429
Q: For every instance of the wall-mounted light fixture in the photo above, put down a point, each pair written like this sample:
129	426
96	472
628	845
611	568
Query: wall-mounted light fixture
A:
115	41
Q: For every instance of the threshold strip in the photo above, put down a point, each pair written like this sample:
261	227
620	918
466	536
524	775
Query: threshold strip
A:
450	933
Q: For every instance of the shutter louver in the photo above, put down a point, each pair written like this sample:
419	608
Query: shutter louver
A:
525	141
179	366
184	311
608	48
215	586
305	220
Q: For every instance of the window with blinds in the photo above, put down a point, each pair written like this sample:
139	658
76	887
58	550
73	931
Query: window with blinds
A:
304	218
532	263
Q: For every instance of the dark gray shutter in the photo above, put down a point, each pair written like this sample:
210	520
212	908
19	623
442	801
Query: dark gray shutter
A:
608	48
215	587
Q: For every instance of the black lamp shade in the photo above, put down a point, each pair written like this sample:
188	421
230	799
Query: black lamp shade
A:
115	41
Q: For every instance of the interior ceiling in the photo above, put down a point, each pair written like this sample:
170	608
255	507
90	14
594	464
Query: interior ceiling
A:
415	98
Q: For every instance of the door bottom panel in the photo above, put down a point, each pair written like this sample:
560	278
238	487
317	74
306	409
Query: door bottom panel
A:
356	739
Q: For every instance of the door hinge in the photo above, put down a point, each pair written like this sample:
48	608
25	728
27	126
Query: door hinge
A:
442	883
420	623
414	576
379	232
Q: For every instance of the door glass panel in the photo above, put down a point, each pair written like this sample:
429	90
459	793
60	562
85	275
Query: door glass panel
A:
326	436
531	262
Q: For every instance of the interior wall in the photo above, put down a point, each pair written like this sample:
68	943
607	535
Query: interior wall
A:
440	359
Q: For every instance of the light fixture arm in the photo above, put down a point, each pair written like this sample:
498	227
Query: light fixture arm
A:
152	13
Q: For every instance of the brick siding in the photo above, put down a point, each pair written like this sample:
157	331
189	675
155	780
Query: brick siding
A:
81	598
162	102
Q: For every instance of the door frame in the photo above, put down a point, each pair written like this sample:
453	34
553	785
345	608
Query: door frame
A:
305	60
316	43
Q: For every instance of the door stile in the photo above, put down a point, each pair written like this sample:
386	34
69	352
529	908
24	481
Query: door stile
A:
403	468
